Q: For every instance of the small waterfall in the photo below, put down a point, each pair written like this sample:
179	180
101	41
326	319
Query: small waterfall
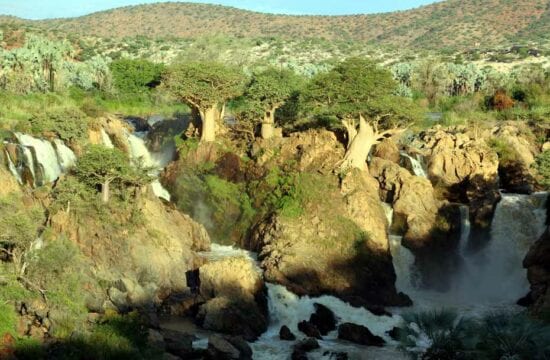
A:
13	168
45	154
465	228
141	156
416	164
65	156
106	140
388	210
42	160
403	263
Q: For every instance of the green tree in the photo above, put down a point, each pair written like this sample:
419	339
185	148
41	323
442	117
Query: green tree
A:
354	91
135	76
268	91
101	166
205	87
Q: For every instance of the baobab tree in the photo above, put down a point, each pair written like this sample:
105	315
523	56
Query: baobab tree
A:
360	94
205	87
268	91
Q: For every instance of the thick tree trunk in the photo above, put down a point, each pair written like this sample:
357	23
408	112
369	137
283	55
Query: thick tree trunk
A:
268	125
359	147
105	191
209	119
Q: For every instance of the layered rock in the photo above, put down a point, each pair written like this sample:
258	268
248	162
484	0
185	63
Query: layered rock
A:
463	169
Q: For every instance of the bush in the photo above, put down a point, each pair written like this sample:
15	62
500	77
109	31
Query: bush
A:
542	165
135	76
68	123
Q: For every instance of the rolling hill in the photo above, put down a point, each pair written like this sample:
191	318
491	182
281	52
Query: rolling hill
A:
453	23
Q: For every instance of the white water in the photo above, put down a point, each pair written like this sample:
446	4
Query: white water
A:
106	140
50	159
45	156
13	168
417	166
141	156
493	278
65	156
286	308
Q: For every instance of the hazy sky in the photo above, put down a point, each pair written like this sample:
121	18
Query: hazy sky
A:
40	9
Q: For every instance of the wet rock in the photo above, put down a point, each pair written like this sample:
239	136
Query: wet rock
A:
537	263
394	333
234	317
286	334
359	334
156	339
177	343
336	355
227	348
301	348
323	319
309	329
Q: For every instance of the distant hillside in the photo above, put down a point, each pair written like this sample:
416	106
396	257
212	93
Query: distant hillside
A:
451	23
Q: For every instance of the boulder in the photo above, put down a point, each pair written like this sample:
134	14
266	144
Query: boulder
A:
301	348
286	334
234	317
176	343
323	319
237	298
309	329
387	150
227	348
359	334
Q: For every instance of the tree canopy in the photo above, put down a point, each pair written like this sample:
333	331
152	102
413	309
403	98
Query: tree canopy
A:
359	87
135	76
203	85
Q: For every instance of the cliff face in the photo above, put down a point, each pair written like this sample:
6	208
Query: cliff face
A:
537	263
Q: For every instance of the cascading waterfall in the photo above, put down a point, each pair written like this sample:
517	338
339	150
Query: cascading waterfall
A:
45	161
106	139
141	156
494	276
286	308
416	163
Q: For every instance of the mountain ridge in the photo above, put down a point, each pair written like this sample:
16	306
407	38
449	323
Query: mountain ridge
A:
450	23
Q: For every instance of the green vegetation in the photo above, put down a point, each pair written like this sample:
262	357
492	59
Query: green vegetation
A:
542	165
135	77
495	336
205	88
103	167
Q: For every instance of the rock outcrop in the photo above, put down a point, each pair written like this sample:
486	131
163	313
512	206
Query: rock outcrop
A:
414	203
235	294
144	262
462	168
338	244
359	334
537	263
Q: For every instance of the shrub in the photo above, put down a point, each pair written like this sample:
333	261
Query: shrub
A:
500	101
135	76
68	123
542	165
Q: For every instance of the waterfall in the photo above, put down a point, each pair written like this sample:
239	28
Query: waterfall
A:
106	140
13	168
416	164
286	308
43	160
66	156
465	227
45	154
494	276
496	273
141	155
